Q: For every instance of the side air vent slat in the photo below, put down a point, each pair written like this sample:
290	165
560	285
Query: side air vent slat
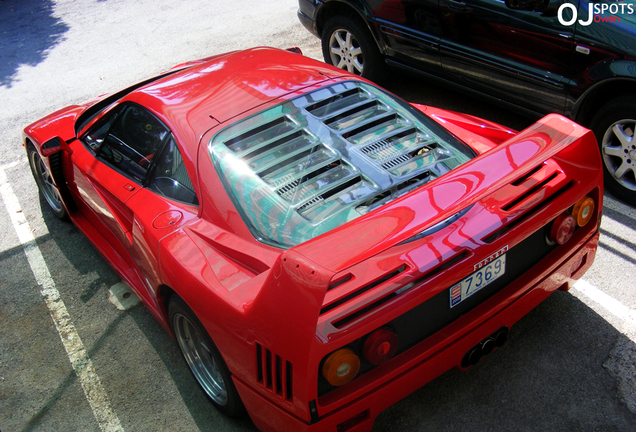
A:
274	373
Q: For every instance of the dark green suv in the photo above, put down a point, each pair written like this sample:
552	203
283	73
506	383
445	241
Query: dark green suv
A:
540	56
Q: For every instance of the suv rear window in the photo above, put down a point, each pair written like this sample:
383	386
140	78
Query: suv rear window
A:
313	163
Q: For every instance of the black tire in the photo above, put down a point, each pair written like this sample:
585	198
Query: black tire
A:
615	129
348	44
204	359
44	179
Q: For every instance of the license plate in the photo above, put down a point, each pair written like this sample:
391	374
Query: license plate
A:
477	281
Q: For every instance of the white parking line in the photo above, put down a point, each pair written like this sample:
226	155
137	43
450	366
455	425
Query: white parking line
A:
82	364
609	304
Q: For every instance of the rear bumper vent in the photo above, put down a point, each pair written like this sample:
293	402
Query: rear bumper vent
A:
274	373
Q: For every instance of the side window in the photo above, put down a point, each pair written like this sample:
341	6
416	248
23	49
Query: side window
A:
134	136
169	176
94	138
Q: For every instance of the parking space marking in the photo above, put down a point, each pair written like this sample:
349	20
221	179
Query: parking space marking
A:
607	302
82	364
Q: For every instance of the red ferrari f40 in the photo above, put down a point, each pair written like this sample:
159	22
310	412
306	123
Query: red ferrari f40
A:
318	247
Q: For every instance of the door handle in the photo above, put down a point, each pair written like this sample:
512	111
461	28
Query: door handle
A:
458	6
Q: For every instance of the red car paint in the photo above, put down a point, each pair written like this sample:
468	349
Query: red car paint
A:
289	309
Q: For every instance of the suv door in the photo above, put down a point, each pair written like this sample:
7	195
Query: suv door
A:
518	56
411	29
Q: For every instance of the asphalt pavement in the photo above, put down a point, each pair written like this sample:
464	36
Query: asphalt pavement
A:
570	365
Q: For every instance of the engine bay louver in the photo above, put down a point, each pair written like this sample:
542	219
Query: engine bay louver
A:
306	170
331	155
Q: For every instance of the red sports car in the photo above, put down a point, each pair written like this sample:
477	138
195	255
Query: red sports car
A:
318	247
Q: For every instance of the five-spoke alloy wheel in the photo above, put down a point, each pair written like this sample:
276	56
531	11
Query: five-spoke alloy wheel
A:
203	358
44	180
348	44
615	130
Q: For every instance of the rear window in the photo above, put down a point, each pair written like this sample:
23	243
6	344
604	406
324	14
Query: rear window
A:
313	163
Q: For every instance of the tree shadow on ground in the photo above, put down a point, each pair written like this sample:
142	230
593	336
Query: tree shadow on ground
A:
28	31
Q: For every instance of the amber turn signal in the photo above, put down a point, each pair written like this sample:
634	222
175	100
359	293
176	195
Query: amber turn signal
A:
341	367
583	211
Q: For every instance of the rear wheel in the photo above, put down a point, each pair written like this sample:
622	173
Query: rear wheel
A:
615	128
44	180
203	359
348	44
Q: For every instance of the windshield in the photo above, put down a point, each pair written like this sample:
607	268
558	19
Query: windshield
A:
313	163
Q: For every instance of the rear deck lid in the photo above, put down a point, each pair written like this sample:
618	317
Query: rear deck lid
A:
316	162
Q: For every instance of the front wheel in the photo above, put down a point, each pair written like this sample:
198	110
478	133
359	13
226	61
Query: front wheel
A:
203	359
615	127
348	44
44	180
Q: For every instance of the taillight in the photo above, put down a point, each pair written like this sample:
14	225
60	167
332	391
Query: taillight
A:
583	211
380	346
562	228
341	367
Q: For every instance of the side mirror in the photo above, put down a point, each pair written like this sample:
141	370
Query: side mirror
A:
55	145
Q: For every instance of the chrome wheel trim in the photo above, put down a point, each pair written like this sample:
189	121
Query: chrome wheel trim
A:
346	52
200	359
619	152
45	182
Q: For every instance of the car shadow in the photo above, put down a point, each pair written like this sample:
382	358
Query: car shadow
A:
65	246
562	368
29	30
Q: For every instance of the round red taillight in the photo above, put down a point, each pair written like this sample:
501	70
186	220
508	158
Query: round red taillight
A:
583	211
341	367
380	346
562	228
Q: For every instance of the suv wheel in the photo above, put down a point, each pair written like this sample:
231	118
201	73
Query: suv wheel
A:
615	129
348	45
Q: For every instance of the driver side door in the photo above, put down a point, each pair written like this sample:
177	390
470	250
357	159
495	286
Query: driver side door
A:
130	183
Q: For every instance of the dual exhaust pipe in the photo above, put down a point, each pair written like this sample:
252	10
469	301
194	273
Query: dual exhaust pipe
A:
485	347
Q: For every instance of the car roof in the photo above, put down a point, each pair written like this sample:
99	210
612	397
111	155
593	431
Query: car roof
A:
197	98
